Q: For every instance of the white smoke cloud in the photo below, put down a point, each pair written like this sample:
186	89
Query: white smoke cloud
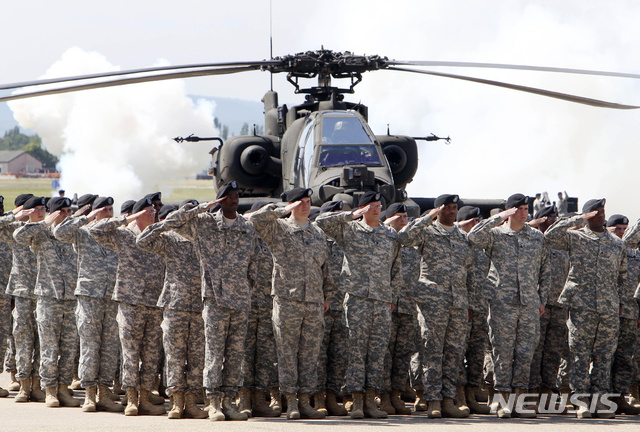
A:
118	141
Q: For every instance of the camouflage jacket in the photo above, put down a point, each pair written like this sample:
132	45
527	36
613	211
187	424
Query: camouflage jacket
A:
140	273
261	285
337	259
481	266
559	264
598	267
227	253
182	284
411	274
519	272
631	239
24	266
97	265
302	259
373	265
56	261
446	270
6	258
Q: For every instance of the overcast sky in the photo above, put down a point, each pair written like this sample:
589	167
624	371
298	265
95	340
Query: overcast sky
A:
502	141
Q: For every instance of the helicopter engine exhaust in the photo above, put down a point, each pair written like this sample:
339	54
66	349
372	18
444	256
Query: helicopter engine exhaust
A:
402	155
256	160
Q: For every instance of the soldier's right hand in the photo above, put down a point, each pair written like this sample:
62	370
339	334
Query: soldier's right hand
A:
135	216
504	215
360	211
435	212
216	201
51	217
91	216
289	208
17	210
82	210
589	215
537	222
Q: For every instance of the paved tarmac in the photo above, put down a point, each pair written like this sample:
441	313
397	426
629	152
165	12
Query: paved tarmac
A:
36	417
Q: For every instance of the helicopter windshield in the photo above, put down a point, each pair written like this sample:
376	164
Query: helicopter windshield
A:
340	155
344	130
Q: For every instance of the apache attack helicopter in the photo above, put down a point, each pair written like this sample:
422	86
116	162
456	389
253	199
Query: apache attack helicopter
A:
324	143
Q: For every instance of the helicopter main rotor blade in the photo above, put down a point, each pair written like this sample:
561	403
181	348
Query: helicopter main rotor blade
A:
124	81
514	67
135	71
548	93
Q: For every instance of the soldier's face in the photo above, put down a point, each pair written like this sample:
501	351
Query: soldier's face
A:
400	222
598	220
521	214
448	214
302	210
106	213
230	203
38	214
618	230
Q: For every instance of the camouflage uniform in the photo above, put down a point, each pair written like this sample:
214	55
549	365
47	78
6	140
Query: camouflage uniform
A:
138	285
301	283
22	281
96	312
404	323
332	362
5	301
593	292
516	287
442	296
55	307
226	255
182	326
259	371
553	347
372	279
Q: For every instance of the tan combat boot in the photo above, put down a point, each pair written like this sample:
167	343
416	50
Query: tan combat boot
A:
305	408
528	406
191	410
276	399
89	404
145	407
473	404
25	391
244	401
450	410
319	402
231	411
105	401
37	395
357	410
51	397
504	411
385	404
634	397
434	409
460	401
132	402
156	399
177	405
66	399
14	385
260	407
215	409
420	404
398	404
371	407
332	406
111	395
76	384
292	406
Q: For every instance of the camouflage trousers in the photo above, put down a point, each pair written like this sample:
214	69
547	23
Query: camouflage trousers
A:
5	326
552	349
58	339
332	361
98	332
444	332
298	328
623	369
514	332
141	342
183	341
416	380
477	346
25	335
224	332
402	344
369	325
259	371
592	341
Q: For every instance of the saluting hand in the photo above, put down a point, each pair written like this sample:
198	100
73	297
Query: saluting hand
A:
51	217
504	215
435	212
216	201
135	216
289	208
17	210
589	215
91	216
390	220
82	210
537	222
360	211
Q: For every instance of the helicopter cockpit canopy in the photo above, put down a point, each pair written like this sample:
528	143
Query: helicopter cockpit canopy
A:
346	141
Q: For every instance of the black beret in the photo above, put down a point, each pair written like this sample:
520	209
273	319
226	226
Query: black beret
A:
258	205
34	202
546	211
86	199
142	204
58	203
313	213
467	212
369	197
21	199
593	204
516	200
296	194
617	219
156	196
165	210
102	202
127	206
194	202
224	190
395	208
331	206
47	202
446	199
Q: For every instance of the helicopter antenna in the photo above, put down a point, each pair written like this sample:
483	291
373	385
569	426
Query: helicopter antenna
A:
271	38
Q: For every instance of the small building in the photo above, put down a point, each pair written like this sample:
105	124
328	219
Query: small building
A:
18	161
